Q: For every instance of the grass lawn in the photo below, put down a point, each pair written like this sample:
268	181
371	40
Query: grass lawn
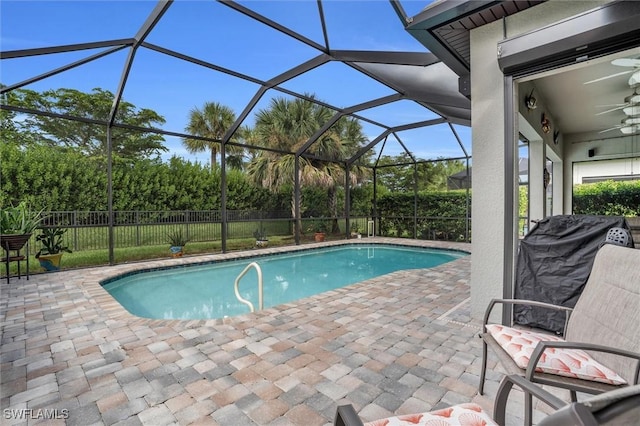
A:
87	258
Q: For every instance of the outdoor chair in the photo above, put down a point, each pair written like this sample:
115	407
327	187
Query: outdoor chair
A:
617	407
603	322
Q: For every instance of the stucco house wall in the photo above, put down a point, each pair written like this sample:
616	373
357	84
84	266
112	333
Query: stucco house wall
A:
488	136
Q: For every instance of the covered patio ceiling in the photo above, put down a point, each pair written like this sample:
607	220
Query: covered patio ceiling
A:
578	91
380	80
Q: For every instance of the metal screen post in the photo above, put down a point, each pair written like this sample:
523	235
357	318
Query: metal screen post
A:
347	201
223	196
296	200
110	194
137	228
75	230
415	200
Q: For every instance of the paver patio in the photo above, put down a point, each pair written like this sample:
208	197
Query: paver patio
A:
399	343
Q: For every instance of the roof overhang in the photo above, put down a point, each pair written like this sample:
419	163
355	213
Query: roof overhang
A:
443	27
607	29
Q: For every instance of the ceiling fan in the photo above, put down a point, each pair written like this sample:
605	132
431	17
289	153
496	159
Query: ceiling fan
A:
631	106
632	102
628	126
633	63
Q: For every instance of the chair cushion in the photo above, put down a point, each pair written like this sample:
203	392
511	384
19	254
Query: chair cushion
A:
460	415
576	363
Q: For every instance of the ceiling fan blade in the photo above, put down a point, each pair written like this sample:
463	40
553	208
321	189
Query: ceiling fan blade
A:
611	105
611	110
608	77
608	130
626	62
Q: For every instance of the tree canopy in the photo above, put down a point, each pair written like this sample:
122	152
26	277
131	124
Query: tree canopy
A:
212	121
285	127
431	176
87	137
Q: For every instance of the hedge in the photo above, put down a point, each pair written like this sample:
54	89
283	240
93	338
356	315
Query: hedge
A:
620	198
440	215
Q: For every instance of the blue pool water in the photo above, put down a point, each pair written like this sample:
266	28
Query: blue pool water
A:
205	291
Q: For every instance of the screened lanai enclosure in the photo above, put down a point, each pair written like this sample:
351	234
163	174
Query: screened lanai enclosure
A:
228	121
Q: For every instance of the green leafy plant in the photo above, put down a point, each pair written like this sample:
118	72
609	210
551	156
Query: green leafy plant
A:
260	235
318	226
52	241
177	239
19	219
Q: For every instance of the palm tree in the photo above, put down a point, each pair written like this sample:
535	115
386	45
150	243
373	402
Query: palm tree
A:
350	138
212	121
286	125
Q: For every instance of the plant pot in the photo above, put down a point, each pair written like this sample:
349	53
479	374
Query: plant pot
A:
14	241
176	251
262	243
50	262
319	237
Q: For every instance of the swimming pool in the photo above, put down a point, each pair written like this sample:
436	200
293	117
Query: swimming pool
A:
206	291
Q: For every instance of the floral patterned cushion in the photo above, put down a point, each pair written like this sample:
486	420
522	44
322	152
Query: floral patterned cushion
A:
459	415
576	363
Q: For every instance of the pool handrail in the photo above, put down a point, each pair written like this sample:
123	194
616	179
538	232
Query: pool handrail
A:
260	292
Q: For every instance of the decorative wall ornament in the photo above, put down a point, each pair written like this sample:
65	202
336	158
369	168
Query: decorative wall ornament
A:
556	135
546	124
546	176
530	102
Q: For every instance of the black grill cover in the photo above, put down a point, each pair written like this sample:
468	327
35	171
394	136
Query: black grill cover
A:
554	262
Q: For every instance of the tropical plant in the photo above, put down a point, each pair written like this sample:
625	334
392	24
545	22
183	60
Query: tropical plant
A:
284	128
211	122
177	239
318	226
260	235
19	219
52	241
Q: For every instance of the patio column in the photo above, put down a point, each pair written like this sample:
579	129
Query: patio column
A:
493	168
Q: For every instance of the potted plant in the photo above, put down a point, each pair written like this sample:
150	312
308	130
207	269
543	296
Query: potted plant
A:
320	231
261	238
53	246
355	230
177	242
17	224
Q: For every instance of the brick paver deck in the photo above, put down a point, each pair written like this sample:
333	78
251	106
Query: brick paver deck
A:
400	343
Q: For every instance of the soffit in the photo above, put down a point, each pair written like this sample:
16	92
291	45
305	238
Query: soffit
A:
443	27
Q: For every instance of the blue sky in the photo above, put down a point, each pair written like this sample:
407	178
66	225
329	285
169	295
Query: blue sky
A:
215	33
